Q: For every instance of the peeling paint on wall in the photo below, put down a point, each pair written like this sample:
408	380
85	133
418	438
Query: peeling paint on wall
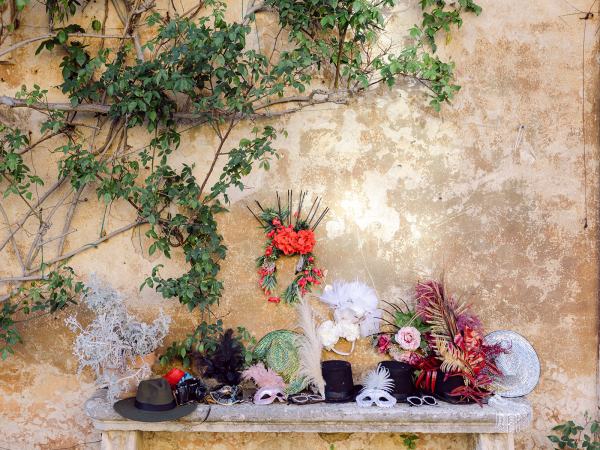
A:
412	193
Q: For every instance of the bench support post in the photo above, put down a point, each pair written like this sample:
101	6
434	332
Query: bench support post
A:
121	440
495	441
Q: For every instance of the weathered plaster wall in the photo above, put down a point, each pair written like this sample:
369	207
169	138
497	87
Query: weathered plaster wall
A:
412	194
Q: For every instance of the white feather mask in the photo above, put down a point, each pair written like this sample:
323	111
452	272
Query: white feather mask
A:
377	389
378	379
354	302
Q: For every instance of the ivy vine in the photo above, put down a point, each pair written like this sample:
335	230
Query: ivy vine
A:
198	69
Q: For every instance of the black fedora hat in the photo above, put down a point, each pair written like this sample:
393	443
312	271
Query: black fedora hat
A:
153	402
402	375
339	386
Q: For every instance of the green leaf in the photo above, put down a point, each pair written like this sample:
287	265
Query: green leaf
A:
20	4
81	58
62	36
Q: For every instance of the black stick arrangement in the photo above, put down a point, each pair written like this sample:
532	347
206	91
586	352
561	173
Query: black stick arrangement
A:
313	217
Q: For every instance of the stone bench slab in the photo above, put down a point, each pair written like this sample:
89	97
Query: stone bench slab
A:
500	416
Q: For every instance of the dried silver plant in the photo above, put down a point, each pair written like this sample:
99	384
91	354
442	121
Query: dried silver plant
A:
114	343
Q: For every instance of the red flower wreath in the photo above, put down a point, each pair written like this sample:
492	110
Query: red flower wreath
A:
288	235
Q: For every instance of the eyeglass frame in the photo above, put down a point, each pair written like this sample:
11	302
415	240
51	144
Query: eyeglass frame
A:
423	400
310	398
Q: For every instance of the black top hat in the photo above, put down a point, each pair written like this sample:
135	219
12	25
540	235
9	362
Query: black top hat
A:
153	402
402	375
339	386
445	384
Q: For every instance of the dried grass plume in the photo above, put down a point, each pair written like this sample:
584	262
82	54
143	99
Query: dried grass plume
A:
310	347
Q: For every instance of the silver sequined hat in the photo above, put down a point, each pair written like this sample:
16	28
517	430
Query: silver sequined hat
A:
520	366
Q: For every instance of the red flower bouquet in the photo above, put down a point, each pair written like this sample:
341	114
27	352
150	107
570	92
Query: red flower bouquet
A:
289	234
450	344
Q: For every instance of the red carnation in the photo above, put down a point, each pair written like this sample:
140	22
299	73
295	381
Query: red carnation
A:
305	241
274	299
383	343
285	240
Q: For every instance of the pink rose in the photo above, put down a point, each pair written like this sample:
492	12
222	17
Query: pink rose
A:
411	358
383	343
408	338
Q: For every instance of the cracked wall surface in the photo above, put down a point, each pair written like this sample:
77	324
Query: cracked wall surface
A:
413	194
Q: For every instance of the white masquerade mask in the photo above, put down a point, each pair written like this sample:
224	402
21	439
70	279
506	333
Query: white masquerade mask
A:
266	396
379	397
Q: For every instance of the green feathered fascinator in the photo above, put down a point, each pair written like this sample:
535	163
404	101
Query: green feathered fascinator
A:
279	351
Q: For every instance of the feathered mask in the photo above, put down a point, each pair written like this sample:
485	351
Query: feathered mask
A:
263	377
377	387
355	313
271	385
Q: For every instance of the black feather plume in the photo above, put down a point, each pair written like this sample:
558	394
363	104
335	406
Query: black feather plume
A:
225	362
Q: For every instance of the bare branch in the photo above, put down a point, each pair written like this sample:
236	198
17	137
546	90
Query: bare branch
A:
132	22
21	196
87	107
192	12
20	44
21	279
60	236
42	199
222	138
12	238
92	244
68	219
253	9
316	97
38	142
45	225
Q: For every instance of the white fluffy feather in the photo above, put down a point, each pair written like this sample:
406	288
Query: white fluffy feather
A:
369	325
379	379
310	347
354	301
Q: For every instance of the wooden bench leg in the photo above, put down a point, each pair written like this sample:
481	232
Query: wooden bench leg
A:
495	441
121	440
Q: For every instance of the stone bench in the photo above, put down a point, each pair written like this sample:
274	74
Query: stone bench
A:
494	424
